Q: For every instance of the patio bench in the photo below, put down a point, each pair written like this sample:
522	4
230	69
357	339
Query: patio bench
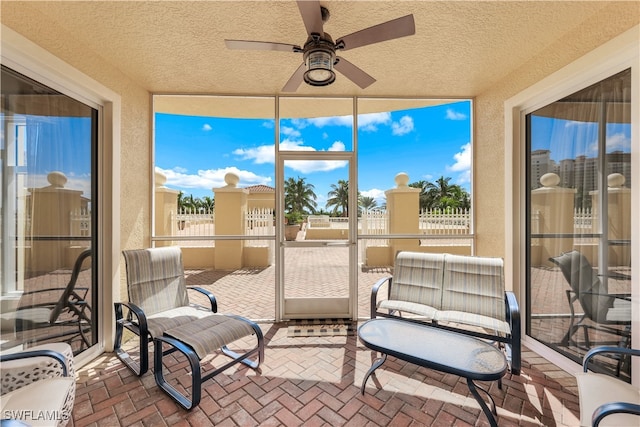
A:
460	293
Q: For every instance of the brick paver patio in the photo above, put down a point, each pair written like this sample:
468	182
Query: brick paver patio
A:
315	380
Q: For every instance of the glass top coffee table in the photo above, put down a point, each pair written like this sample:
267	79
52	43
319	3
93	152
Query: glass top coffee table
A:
439	349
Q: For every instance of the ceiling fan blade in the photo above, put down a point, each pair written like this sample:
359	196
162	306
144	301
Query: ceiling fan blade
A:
354	73
389	30
312	16
295	80
253	45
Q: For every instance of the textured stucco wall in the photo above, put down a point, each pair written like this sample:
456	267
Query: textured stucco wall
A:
489	180
135	117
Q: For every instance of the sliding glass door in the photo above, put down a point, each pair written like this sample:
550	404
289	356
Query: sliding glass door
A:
579	221
48	208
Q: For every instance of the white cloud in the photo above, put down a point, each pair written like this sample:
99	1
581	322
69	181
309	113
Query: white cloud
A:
268	125
309	166
462	158
618	142
289	131
367	122
331	121
462	164
266	154
211	178
615	142
370	122
404	126
260	155
377	194
454	115
206	127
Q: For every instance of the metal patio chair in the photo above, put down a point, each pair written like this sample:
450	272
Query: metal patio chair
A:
159	308
64	318
608	312
606	400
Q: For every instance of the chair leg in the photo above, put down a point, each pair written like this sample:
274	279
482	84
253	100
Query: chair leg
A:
196	375
143	366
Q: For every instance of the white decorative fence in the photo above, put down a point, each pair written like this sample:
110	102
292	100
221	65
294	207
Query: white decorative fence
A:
260	222
194	222
453	222
80	222
430	222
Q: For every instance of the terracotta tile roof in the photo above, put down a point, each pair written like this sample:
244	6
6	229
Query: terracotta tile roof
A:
260	189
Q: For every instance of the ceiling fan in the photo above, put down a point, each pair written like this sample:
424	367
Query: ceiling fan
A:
319	51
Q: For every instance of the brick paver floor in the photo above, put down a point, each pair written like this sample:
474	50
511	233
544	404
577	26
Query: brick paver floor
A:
315	381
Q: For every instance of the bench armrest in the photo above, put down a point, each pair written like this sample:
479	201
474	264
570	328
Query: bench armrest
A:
374	293
212	298
513	318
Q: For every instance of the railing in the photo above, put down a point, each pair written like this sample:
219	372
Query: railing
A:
584	221
260	222
436	221
80	222
193	222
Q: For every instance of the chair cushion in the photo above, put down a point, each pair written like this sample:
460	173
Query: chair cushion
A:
155	279
417	278
597	389
169	319
474	285
211	333
40	403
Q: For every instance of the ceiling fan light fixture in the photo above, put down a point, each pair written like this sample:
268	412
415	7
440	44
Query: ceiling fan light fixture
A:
319	63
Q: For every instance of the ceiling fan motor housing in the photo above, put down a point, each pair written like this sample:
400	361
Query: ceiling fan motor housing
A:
319	58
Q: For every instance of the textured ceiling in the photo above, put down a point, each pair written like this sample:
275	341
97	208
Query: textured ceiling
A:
460	48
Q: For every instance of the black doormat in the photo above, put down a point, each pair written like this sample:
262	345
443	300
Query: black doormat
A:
320	328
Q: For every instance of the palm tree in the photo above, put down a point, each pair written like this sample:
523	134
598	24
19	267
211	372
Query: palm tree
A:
208	203
339	197
299	196
368	203
442	195
187	203
427	200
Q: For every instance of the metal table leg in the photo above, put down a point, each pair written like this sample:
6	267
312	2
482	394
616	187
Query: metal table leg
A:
376	364
490	413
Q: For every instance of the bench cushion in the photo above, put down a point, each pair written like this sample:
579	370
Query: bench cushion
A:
499	327
429	313
417	278
474	285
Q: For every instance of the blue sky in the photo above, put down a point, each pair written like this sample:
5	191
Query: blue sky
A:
195	153
568	139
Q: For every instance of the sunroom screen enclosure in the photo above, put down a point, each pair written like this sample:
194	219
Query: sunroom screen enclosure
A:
328	168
